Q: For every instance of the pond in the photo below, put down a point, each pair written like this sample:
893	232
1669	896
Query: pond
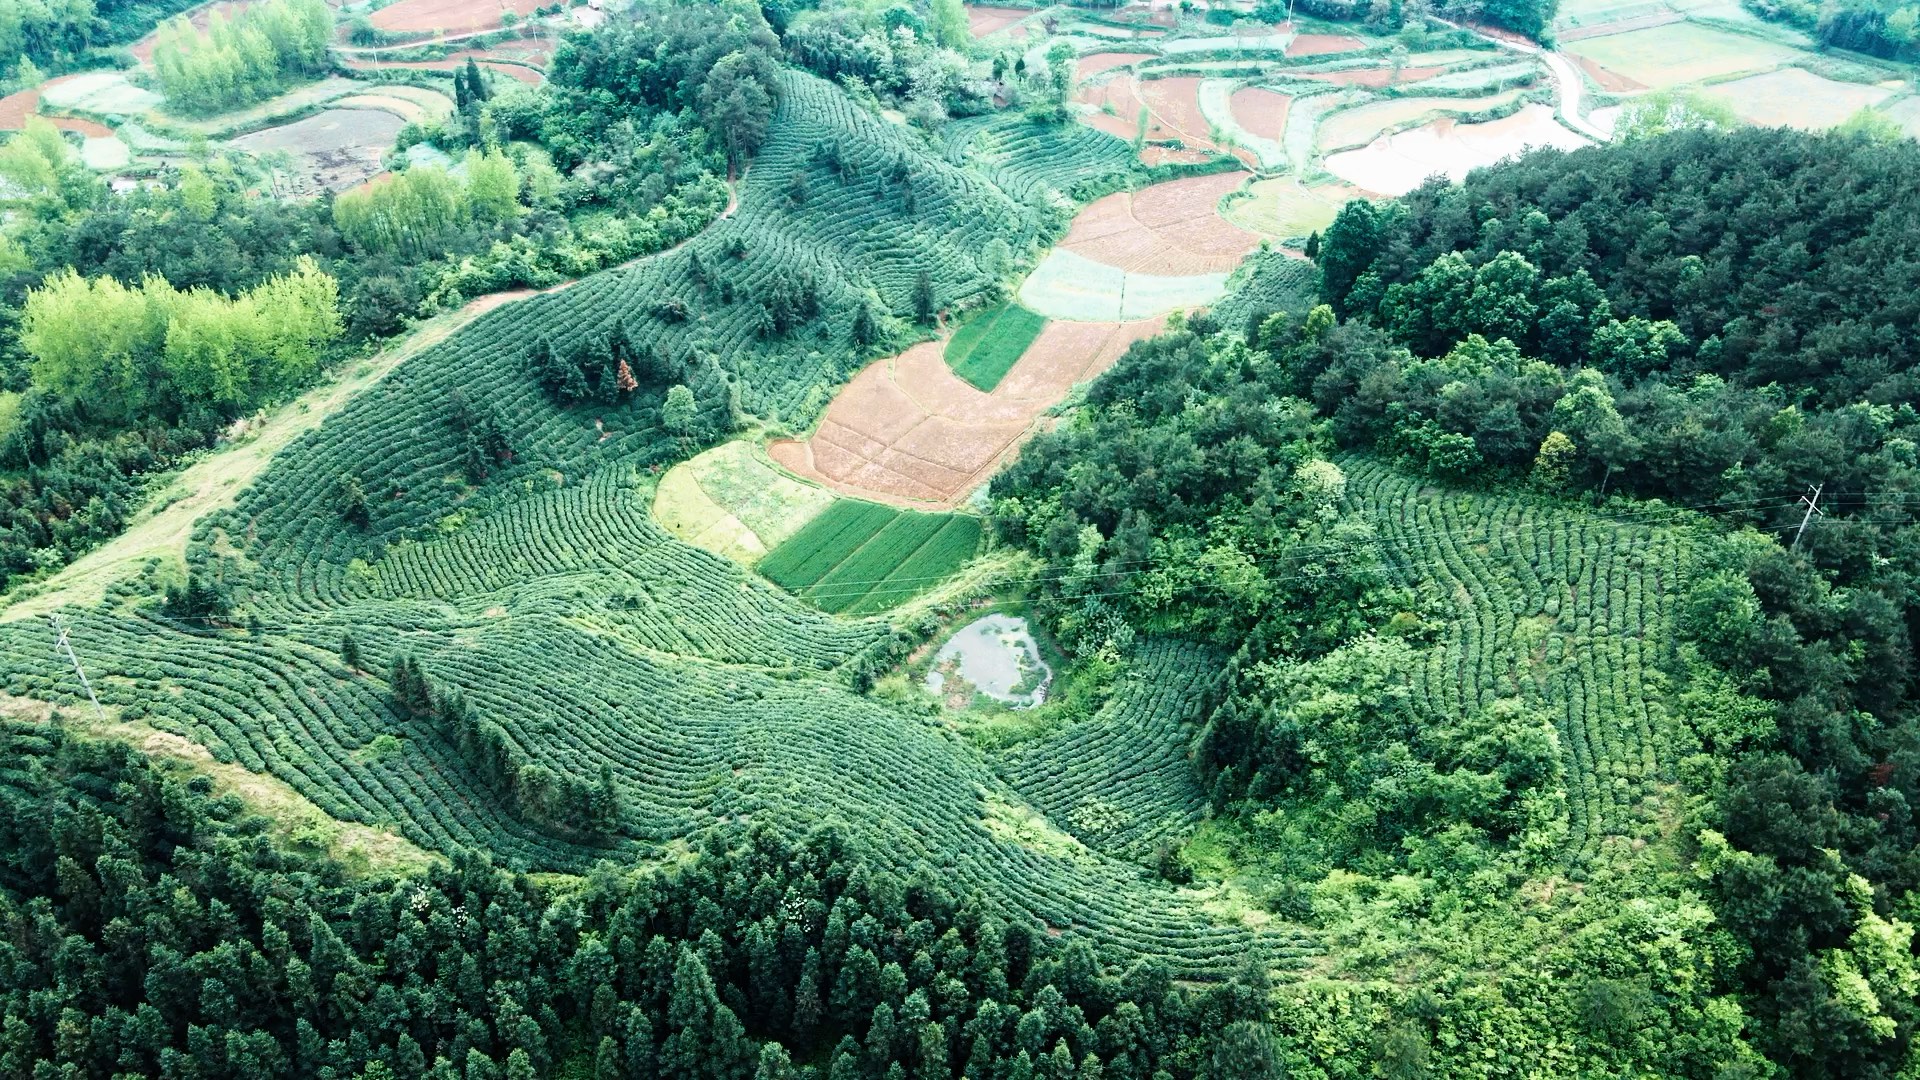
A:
996	656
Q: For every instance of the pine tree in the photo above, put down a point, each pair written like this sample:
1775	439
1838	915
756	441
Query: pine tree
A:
350	652
545	366
866	325
477	83
353	502
923	301
573	384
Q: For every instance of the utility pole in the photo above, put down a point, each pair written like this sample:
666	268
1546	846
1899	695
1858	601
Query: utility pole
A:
67	647
1813	507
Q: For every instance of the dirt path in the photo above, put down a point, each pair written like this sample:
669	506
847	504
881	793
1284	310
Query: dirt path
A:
1569	87
213	482
357	845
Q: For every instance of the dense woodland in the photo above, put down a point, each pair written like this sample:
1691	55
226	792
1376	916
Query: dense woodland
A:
1875	27
542	199
38	36
152	928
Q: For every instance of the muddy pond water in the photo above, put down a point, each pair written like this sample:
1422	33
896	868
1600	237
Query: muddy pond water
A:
995	655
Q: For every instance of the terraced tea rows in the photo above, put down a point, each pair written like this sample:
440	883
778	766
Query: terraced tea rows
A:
1567	611
1120	781
552	603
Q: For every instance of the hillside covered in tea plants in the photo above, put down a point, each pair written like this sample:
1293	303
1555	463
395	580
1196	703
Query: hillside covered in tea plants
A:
1417	660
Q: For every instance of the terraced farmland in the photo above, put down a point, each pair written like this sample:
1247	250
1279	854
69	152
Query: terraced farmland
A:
1120	781
561	612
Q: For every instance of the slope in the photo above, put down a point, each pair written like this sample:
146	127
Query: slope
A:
572	625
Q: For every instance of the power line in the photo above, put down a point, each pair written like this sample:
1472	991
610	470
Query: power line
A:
60	626
1813	507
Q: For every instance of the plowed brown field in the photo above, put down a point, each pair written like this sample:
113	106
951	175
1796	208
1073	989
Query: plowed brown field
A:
1168	229
908	431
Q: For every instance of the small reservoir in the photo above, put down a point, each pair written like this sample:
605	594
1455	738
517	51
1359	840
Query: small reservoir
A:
997	656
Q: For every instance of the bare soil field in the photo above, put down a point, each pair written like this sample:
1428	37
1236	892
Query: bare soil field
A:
1118	102
1175	104
983	20
16	107
1396	164
332	150
1094	63
1175	107
907	431
1261	112
1322	44
1173	228
448	16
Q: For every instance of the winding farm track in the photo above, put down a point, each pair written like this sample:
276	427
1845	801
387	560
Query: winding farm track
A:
1569	88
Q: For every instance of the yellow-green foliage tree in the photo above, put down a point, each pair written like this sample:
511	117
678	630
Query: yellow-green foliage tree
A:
128	352
410	213
252	56
40	173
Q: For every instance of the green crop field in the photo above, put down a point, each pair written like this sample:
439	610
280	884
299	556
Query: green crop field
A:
858	557
984	349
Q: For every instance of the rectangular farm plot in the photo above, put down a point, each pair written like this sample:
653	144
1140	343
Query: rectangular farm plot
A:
1795	97
860	557
987	347
1663	56
807	555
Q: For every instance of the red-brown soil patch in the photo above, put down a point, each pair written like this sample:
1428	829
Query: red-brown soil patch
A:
1114	125
449	16
907	430
1119	105
1094	63
1322	44
1611	81
1373	77
1174	105
1173	228
17	107
989	20
1260	111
